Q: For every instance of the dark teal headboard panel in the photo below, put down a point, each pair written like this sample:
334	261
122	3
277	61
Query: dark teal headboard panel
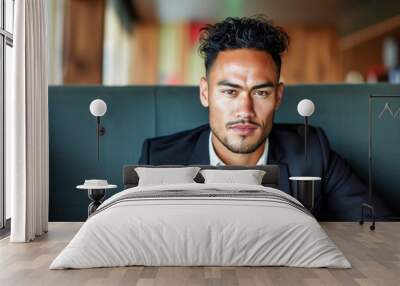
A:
138	112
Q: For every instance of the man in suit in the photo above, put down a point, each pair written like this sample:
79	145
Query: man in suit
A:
242	90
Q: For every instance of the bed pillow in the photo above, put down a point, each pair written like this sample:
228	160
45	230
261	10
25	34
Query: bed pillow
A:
162	176
248	177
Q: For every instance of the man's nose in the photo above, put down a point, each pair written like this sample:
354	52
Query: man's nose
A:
245	108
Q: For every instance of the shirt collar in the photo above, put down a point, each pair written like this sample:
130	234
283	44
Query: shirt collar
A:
216	161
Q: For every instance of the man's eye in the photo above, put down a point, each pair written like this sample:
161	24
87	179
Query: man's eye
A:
261	93
229	92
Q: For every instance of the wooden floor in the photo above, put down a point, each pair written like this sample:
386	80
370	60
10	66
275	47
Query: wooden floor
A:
374	255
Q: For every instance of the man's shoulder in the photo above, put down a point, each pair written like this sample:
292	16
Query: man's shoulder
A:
177	148
292	129
182	136
291	136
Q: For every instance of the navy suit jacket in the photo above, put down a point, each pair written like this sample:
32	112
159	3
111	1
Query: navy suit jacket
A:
338	196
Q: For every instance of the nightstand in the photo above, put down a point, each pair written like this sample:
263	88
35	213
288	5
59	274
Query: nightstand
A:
96	192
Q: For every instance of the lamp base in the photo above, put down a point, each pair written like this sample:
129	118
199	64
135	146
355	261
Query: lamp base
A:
96	197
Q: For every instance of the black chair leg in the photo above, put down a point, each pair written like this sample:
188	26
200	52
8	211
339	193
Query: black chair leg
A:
371	213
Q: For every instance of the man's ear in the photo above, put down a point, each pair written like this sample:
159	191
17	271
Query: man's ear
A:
279	95
204	91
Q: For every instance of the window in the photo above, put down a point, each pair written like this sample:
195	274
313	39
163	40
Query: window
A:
6	62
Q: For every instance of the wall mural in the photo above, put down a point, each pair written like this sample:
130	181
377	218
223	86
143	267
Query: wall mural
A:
385	151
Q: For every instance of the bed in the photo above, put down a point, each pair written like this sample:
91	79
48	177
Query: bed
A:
201	223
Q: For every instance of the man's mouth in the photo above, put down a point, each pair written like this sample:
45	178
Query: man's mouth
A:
243	129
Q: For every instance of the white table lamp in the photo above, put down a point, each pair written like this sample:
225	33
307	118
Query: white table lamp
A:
98	108
305	184
305	108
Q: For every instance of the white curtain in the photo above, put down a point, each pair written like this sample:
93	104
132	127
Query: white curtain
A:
27	148
55	35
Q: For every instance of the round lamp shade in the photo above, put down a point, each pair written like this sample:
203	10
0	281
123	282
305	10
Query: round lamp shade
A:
305	107
98	107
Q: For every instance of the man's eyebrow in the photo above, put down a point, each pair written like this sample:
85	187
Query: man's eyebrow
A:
262	85
225	82
234	85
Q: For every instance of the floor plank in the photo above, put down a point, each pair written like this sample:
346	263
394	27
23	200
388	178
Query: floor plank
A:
374	255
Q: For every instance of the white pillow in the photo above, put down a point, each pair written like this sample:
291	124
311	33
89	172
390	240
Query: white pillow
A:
248	177
162	176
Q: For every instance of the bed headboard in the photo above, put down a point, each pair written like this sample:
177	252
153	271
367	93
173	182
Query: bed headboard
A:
270	179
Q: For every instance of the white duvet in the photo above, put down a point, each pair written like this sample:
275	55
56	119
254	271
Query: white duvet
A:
207	230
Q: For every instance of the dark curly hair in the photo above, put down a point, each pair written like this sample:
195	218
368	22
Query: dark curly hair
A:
256	33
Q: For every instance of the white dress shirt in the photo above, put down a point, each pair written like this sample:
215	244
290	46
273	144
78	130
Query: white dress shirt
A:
216	161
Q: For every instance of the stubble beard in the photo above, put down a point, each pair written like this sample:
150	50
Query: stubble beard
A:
240	148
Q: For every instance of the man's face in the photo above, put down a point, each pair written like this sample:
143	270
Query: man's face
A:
242	93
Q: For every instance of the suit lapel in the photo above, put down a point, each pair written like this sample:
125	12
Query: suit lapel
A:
276	157
200	154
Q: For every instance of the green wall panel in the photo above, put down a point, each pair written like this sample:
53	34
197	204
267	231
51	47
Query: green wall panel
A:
138	112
